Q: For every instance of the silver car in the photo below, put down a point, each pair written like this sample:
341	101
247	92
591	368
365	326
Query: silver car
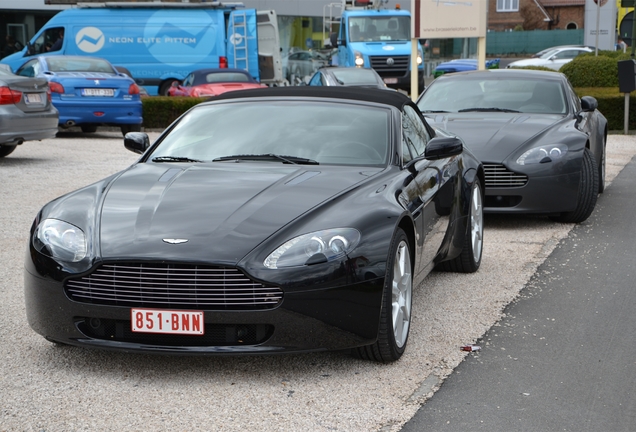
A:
26	112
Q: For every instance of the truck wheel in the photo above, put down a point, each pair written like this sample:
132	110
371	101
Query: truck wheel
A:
6	150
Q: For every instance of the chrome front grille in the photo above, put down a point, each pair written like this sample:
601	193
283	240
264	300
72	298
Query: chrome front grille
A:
390	66
498	176
172	286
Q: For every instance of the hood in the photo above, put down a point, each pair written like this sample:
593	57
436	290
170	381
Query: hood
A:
223	210
492	137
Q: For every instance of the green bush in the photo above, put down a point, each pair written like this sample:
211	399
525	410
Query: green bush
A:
161	111
589	70
611	104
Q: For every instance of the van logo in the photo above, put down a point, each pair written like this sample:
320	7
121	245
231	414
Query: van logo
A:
90	39
390	61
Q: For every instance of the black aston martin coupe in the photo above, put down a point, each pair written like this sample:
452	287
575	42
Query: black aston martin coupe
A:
543	148
263	221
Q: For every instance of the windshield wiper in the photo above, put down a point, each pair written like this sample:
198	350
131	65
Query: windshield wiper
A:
174	159
433	111
489	109
268	156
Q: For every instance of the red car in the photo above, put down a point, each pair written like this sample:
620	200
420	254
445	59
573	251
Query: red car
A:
213	82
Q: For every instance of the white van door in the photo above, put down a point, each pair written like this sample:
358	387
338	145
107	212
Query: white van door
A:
269	57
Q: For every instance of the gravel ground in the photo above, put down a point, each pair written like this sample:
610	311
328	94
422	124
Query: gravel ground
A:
44	387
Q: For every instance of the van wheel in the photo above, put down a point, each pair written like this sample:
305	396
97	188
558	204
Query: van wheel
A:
165	86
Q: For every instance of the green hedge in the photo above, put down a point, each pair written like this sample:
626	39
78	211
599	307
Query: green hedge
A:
612	104
589	70
160	111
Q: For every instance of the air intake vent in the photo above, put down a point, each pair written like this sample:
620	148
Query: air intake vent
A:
172	286
498	176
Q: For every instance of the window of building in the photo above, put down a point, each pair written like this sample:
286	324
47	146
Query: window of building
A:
507	5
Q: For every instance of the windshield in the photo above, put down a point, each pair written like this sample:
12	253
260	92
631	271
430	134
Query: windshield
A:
548	54
354	76
78	64
379	29
322	132
494	94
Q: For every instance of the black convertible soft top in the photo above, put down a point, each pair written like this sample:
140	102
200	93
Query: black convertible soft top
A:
385	97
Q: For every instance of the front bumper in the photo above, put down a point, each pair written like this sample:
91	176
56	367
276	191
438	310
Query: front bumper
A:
310	320
540	195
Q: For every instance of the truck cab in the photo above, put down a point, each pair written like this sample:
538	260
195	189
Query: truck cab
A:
372	37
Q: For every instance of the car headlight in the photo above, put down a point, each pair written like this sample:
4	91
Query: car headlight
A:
320	246
359	58
420	57
60	240
543	154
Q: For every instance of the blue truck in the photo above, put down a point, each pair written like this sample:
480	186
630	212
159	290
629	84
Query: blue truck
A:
159	43
377	38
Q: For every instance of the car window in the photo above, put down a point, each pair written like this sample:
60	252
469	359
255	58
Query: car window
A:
29	69
330	133
316	80
526	95
415	134
78	64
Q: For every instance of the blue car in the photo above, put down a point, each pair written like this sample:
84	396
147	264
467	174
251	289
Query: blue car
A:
88	92
462	65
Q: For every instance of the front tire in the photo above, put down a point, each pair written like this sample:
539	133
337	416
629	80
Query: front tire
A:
588	191
395	315
6	150
469	259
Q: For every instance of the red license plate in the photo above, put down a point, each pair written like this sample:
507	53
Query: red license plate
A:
167	321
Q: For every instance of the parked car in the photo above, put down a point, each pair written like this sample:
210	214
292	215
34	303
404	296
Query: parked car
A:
26	111
462	65
88	92
554	58
344	76
300	64
543	51
263	221
543	148
212	82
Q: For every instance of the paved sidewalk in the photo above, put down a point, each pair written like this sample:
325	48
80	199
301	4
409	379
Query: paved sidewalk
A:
564	358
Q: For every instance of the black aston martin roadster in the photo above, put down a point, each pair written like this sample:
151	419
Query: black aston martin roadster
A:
262	221
542	147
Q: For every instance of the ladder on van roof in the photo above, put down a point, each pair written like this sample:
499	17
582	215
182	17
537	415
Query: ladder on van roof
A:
239	40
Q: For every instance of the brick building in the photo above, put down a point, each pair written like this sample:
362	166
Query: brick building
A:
506	15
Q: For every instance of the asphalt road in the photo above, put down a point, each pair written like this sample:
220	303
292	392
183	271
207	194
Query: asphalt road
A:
564	358
44	387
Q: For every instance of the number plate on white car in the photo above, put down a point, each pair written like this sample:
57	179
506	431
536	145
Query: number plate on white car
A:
98	92
167	321
390	80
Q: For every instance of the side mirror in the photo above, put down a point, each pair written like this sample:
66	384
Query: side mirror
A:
588	103
443	147
333	38
137	142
